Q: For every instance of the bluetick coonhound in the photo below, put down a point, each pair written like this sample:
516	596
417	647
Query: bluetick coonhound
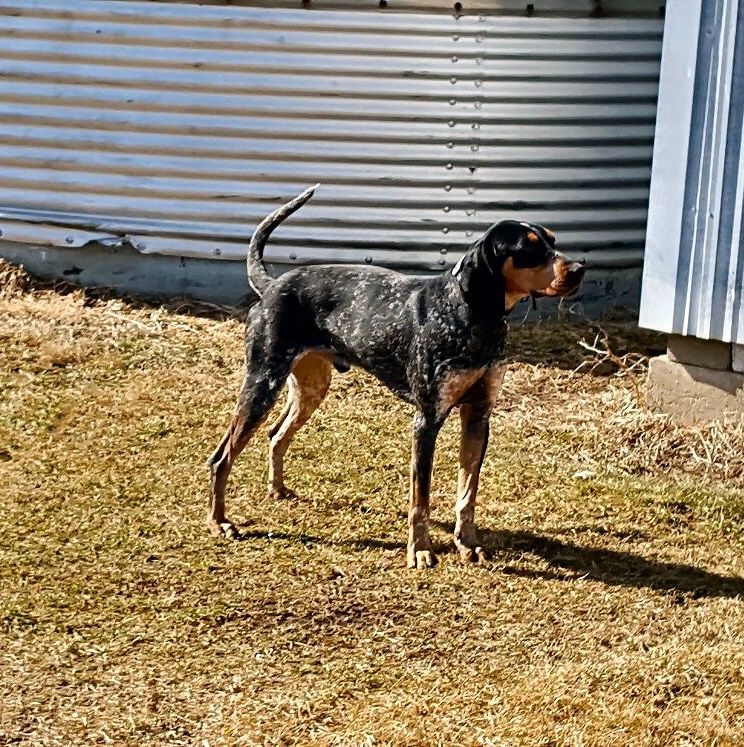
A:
436	342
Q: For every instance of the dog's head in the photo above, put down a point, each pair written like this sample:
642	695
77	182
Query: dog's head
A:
514	260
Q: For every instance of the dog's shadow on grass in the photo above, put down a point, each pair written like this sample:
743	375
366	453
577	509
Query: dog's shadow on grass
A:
567	561
611	567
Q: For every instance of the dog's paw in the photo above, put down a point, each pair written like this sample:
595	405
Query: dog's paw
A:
472	554
224	529
421	559
282	494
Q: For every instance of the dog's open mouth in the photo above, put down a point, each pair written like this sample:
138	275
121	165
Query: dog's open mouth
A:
558	290
568	291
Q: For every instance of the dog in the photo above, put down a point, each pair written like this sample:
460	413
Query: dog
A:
436	342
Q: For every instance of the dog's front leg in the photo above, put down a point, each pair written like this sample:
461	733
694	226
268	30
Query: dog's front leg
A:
473	442
425	431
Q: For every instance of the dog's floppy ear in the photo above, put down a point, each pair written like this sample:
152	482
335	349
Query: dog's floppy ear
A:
479	273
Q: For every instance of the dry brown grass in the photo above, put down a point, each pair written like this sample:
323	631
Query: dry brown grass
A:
611	613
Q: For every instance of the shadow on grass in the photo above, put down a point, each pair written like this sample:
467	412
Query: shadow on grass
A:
608	566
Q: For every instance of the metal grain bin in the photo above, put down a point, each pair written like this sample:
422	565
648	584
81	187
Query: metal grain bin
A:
174	127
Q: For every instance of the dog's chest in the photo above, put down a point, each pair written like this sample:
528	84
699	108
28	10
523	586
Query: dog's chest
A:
468	347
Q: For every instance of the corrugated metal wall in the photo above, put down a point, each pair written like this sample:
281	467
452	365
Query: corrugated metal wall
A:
179	126
693	281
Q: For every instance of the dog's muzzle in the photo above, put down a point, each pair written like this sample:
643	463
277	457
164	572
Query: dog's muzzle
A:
570	279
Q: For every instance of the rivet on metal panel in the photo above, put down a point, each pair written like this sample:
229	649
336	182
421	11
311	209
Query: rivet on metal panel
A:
455	37
454	58
69	239
470	211
469	234
217	251
442	262
451	123
471	190
472	169
479	38
453	80
141	246
452	102
450	144
478	82
475	147
446	208
445	229
475	125
443	251
478	104
293	256
448	167
447	187
368	260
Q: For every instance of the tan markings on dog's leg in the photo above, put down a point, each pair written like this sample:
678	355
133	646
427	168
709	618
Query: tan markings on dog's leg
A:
494	380
425	432
308	385
273	429
220	463
473	442
455	385
258	393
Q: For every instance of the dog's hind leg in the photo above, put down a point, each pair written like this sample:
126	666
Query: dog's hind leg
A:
307	386
258	394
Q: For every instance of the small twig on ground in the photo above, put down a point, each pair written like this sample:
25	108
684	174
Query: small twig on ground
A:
626	364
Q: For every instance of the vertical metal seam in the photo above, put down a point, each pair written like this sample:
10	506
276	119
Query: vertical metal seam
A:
724	292
712	216
693	177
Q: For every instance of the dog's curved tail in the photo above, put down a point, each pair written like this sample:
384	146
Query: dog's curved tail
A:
258	277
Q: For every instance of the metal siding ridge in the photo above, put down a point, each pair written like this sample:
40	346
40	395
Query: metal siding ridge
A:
188	123
189	13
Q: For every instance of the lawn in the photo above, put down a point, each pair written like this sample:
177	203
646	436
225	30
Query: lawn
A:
611	611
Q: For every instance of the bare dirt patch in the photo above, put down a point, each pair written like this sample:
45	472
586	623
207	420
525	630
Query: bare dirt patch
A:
611	612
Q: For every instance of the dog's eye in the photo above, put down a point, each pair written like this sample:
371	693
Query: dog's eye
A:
531	256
